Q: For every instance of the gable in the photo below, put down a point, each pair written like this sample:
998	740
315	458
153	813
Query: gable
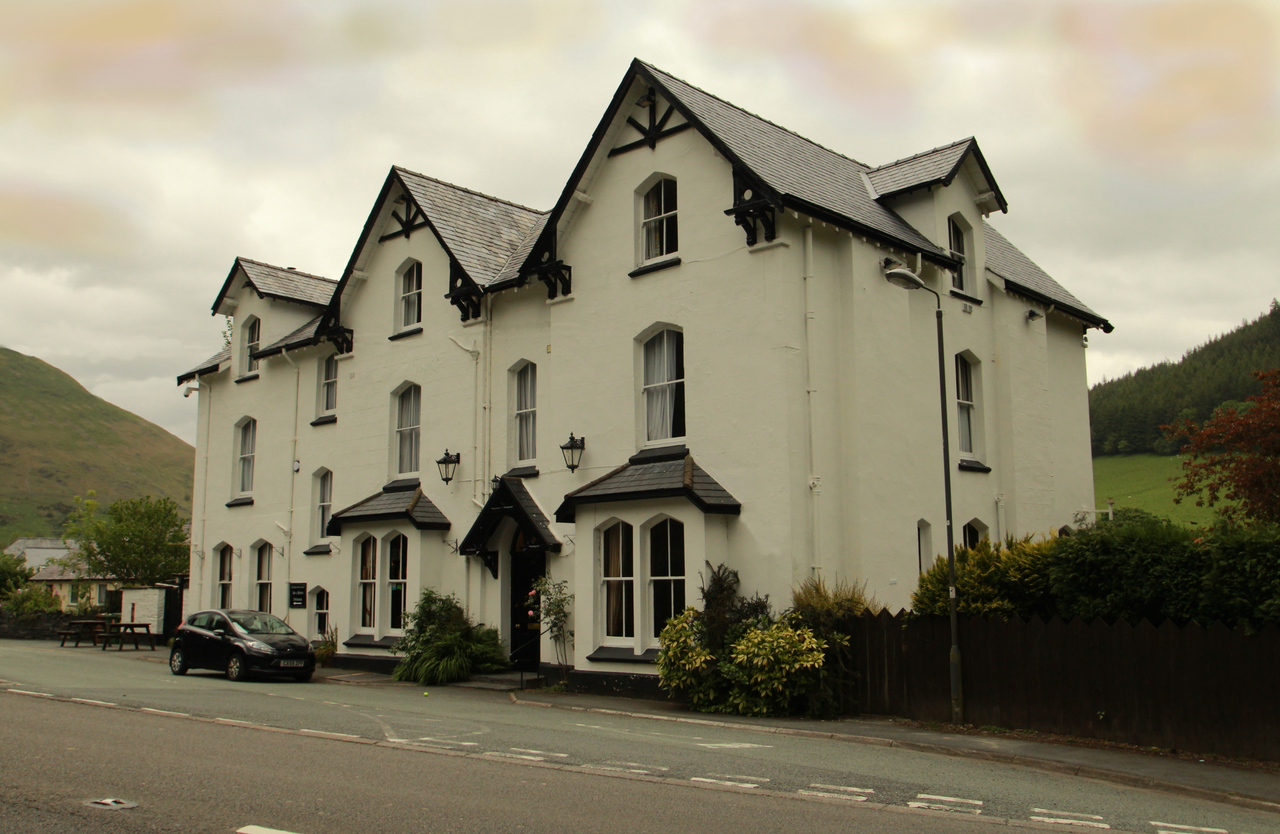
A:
277	282
939	166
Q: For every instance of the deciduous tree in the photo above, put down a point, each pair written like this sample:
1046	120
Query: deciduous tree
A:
137	541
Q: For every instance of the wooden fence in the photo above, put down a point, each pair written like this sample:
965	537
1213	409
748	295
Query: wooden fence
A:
1207	690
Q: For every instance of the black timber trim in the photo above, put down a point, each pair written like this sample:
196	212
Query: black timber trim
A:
672	492
747	211
404	334
326	420
848	224
964	296
1089	318
342	337
242	501
620	654
226	286
657	129
504	503
318	550
246	378
654	267
337	521
971	465
522	472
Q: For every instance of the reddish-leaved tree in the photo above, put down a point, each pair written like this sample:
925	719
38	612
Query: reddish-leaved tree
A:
1234	456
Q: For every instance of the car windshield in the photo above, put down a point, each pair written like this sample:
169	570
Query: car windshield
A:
260	623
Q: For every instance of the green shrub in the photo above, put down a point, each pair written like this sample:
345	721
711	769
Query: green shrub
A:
1001	579
772	667
830	612
684	663
31	601
442	645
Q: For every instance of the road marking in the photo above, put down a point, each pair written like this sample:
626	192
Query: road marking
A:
327	733
592	726
949	799
99	703
1188	827
740	776
1058	821
640	764
540	752
26	692
258	829
820	786
449	741
829	795
237	721
737	745
723	782
166	712
614	769
514	756
1066	813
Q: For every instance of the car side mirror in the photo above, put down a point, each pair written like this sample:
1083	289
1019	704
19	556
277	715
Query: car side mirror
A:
220	632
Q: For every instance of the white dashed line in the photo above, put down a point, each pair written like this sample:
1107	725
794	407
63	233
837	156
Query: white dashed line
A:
26	692
723	782
258	829
934	806
823	787
1059	821
827	794
1066	814
515	756
948	798
614	769
733	746
1170	825
450	741
540	753
327	733
99	703
166	712
740	776
641	764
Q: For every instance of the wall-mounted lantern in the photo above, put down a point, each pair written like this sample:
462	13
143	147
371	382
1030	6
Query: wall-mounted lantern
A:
573	451
449	465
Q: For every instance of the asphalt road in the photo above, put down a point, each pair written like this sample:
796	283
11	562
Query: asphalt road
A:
471	760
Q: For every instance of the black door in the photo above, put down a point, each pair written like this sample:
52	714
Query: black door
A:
527	566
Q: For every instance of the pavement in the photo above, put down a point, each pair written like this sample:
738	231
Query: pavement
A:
1239	784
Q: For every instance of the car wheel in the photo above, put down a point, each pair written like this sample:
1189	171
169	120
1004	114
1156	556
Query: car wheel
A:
177	662
237	669
302	678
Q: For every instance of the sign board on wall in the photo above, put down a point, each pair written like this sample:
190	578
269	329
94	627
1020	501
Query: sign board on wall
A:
297	595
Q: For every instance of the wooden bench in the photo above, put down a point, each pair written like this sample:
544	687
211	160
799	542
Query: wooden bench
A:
135	631
66	633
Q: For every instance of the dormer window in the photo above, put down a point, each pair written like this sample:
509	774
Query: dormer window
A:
252	340
658	229
411	296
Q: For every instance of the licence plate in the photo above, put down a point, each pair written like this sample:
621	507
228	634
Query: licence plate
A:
292	662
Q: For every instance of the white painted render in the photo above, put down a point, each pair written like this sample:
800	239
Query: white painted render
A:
754	336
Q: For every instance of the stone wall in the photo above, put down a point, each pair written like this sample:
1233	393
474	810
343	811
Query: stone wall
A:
37	627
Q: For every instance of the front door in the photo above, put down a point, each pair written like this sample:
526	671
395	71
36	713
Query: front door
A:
527	566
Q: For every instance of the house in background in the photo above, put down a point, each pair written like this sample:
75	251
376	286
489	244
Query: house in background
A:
70	586
38	550
693	357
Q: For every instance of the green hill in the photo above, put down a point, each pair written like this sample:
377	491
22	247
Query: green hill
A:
1142	482
57	441
1126	413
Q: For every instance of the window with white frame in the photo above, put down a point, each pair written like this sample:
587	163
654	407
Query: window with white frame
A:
397	576
263	583
322	611
955	233
252	340
659	232
618	581
527	412
964	403
411	295
248	441
329	384
408	417
225	555
367	590
666	571
664	385
324	501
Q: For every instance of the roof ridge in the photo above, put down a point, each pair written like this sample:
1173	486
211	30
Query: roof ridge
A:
286	270
756	116
471	191
923	153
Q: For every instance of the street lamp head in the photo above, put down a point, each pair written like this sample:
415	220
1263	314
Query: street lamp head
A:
905	278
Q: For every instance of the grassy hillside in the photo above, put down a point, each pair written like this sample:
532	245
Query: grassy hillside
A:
1142	481
57	441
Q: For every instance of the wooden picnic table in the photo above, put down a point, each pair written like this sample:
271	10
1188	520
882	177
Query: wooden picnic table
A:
118	632
80	629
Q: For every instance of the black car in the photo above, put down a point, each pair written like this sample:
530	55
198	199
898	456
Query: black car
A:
241	643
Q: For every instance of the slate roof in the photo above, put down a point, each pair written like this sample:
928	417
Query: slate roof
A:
511	499
307	334
1020	273
489	237
289	284
58	573
391	504
671	477
208	366
37	550
792	165
936	167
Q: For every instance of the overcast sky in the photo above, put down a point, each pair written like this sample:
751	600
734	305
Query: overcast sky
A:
145	144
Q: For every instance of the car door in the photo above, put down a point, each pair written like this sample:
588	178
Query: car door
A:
195	639
219	645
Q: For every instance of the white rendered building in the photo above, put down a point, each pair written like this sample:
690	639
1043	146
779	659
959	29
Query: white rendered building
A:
706	306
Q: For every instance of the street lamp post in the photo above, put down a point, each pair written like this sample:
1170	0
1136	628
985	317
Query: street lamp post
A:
908	280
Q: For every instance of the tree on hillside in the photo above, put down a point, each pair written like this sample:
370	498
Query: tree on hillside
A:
1234	456
138	540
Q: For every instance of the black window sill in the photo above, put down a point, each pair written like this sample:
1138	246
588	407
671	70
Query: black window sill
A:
402	485
404	334
619	654
245	501
657	454
969	465
522	472
647	268
368	641
325	420
246	378
318	550
964	296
